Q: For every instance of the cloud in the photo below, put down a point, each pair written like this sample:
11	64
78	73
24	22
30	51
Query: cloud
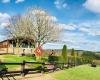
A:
92	5
91	32
75	40
60	4
91	28
4	16
4	20
18	1
81	36
84	29
4	24
2	37
69	26
6	1
79	41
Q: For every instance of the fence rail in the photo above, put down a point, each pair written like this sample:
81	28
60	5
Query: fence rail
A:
25	71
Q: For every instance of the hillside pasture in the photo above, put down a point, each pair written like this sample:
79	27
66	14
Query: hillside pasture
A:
83	72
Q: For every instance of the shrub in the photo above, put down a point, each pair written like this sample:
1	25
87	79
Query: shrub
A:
44	59
23	54
53	59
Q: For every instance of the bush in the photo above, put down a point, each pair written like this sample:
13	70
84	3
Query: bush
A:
23	54
53	59
44	59
45	54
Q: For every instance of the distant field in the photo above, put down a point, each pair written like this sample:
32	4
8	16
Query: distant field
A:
83	72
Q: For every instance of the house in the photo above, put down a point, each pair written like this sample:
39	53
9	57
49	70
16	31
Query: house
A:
11	46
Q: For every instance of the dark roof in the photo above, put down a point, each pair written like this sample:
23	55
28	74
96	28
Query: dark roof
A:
15	39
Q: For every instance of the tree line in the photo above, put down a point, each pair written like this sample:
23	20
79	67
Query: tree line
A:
75	57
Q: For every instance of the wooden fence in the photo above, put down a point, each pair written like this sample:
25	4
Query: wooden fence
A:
43	68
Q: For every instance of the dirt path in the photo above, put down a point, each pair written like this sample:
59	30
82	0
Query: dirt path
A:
41	77
38	77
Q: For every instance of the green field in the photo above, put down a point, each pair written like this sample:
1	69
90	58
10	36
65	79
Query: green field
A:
84	72
14	59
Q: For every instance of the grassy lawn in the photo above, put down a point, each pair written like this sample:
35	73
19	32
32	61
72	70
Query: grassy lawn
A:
14	58
83	72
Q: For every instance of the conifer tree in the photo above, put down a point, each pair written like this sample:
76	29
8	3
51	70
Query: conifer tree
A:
64	54
73	55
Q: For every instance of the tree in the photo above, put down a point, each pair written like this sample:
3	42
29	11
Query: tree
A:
88	56
64	54
44	26
73	54
35	24
77	53
19	29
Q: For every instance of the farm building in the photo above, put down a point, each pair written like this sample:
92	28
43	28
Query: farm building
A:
11	46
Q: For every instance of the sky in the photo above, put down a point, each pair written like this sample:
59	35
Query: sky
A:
80	20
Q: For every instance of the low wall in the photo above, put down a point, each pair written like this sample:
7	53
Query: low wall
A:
16	50
3	50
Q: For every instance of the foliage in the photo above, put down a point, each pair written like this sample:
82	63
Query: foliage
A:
88	56
52	59
44	59
73	54
64	54
45	54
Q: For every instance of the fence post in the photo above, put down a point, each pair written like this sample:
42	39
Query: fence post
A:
63	65
54	65
42	68
23	68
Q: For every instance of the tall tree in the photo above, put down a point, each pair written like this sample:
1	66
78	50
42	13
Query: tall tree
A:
35	24
19	29
64	54
73	54
44	26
